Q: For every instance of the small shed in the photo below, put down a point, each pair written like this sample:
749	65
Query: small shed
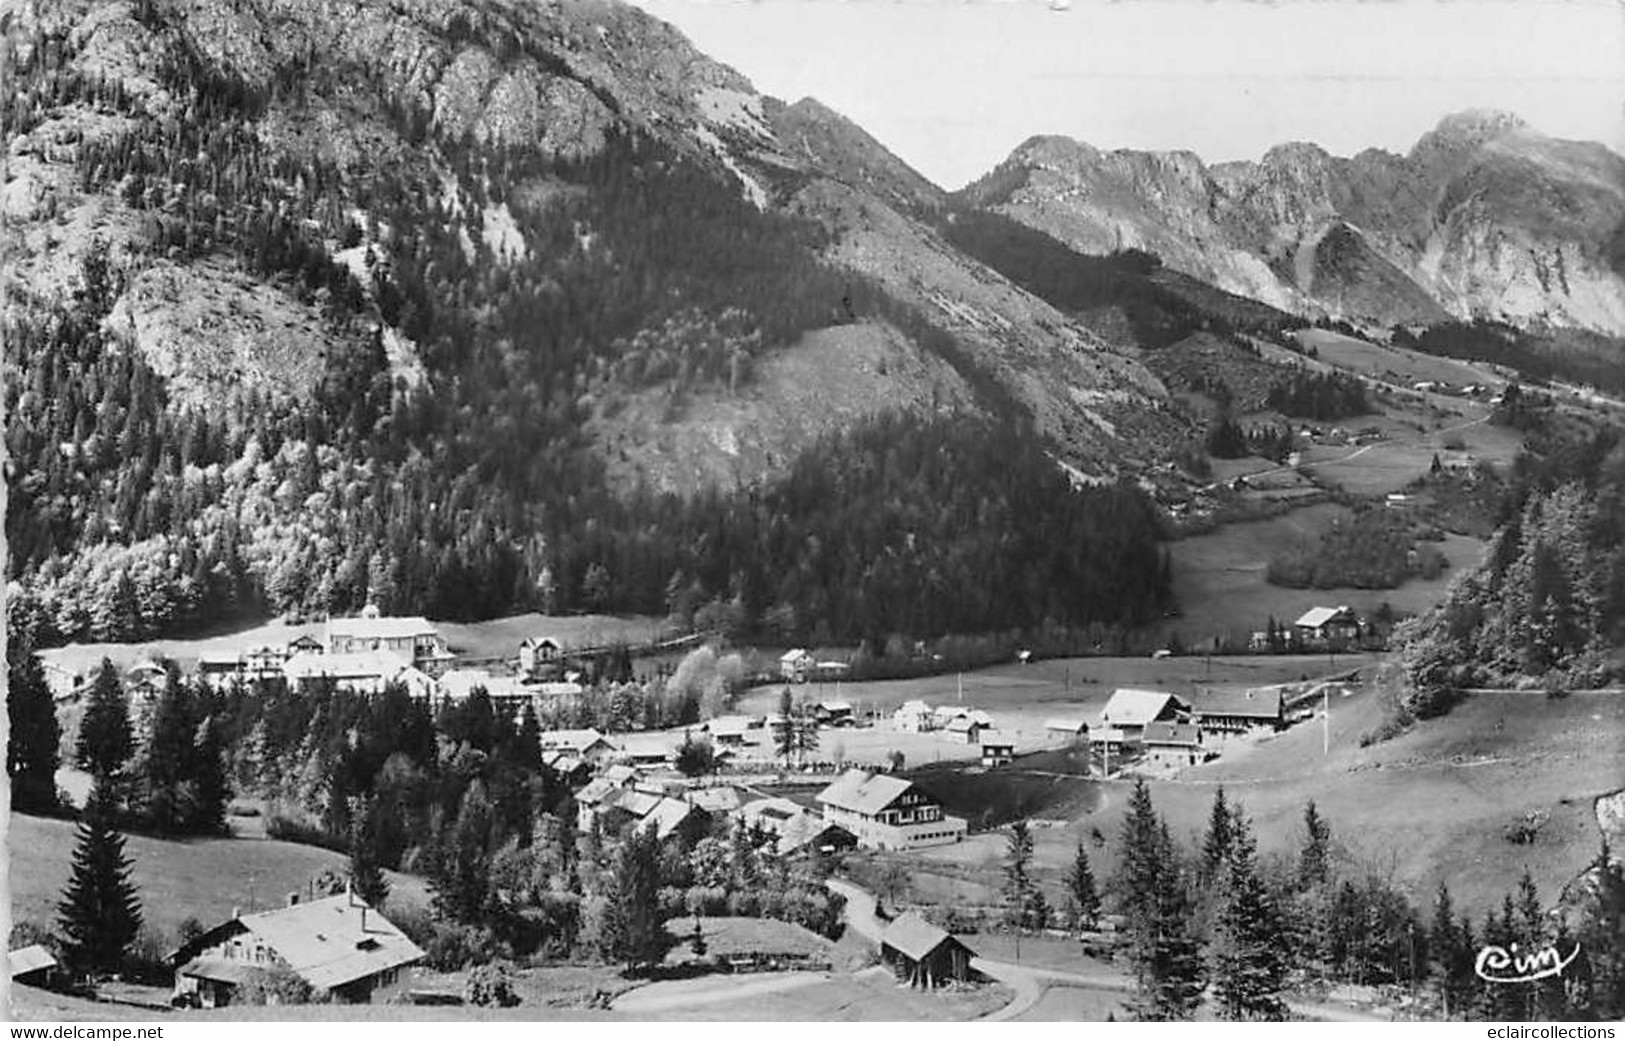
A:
31	965
964	728
924	955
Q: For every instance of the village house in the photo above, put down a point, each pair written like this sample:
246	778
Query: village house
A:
965	729
752	944
1106	739
794	828
998	748
600	793
413	638
914	717
1174	744
588	744
1129	711
62	683
796	665
923	955
1067	728
653	748
358	672
1240	711
1327	626
304	644
537	653
507	694
733	731
887	812
342	948
833	713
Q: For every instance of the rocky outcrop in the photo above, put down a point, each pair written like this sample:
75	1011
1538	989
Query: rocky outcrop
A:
1484	217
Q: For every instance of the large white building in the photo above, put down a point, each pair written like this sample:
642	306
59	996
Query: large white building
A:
886	812
414	638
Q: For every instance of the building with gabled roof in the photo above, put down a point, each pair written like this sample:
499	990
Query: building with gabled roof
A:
359	672
340	946
923	955
914	717
31	965
796	664
414	637
1328	625
1069	727
587	743
998	747
1240	711
887	812
1129	710
1174	744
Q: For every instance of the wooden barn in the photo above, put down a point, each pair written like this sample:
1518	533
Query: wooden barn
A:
923	955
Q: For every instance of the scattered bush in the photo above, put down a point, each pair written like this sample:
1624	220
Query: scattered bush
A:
273	986
491	986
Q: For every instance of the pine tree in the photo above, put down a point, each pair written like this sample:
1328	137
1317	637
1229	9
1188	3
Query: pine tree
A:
633	931
32	746
787	737
1081	886
1314	860
460	869
1601	937
105	738
209	782
1249	963
100	912
1216	843
1451	958
1166	956
1018	881
164	766
366	873
528	743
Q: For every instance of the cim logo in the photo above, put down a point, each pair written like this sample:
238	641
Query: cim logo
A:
1503	965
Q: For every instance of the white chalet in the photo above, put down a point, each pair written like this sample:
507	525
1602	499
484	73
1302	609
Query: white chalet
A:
886	812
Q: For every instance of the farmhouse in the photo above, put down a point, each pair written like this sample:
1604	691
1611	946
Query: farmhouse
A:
734	730
1130	710
1241	711
998	748
1320	626
924	955
341	947
794	827
599	794
1174	744
714	799
887	812
796	665
833	713
964	728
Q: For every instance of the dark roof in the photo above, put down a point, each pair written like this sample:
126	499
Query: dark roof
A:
1264	703
915	937
1172	734
863	792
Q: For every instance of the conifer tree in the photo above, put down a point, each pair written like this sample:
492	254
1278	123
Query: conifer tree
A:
105	738
1165	955
32	745
164	766
1018	882
1451	961
1216	843
1601	937
1081	886
633	931
460	869
100	911
366	873
209	781
528	742
1249	962
1314	860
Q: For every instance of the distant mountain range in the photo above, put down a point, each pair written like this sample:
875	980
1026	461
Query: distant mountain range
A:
1485	217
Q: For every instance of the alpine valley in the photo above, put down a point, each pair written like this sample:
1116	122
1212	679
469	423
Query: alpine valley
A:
477	307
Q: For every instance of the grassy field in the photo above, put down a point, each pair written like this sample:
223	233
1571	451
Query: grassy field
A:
198	878
1430	804
1219	577
1393	364
499	637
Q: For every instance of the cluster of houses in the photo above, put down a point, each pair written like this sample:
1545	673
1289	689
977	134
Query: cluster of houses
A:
959	724
1168	730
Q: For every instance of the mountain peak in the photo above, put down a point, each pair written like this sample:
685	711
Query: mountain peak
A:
1466	130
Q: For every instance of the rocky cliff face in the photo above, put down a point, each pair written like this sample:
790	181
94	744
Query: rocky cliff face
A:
1484	217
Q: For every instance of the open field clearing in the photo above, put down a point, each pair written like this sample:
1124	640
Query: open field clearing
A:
1431	804
1219	577
871	995
499	637
1394	364
177	879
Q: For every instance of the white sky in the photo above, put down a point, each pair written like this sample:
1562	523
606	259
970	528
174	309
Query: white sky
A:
953	85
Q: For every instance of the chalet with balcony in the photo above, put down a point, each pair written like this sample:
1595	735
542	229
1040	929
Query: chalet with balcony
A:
886	812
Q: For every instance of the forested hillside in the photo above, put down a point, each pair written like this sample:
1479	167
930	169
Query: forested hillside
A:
480	297
1547	607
